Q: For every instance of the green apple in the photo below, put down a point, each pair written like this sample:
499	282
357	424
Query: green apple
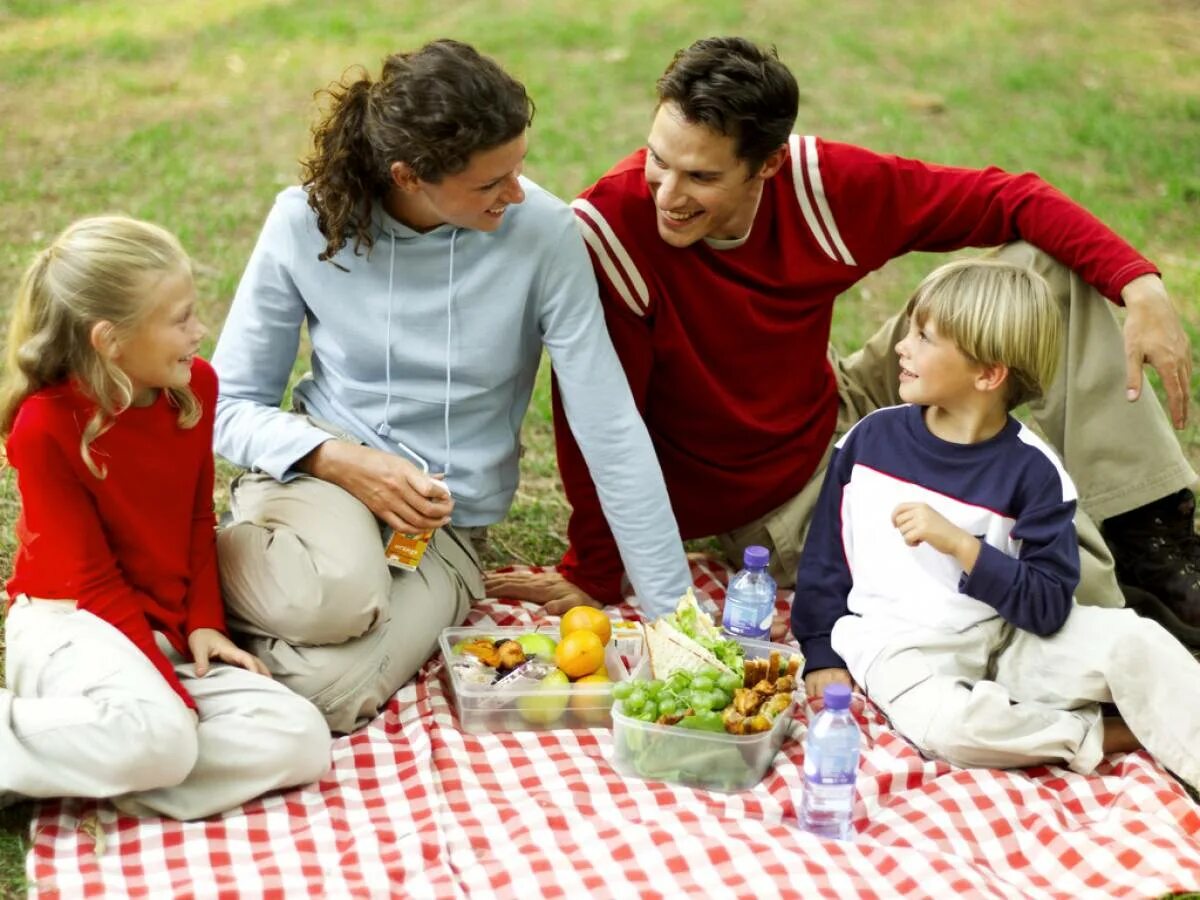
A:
538	644
548	700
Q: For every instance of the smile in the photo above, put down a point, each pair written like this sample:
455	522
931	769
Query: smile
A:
680	216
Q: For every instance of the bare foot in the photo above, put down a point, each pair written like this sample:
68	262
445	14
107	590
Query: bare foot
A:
1117	736
549	589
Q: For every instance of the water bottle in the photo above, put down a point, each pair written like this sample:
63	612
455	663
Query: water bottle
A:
750	597
830	767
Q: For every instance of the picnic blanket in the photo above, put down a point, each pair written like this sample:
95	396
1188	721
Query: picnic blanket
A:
414	807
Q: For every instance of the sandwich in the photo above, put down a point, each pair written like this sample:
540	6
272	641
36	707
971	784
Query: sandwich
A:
688	641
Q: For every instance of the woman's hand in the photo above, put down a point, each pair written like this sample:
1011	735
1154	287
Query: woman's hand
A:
208	644
395	490
817	680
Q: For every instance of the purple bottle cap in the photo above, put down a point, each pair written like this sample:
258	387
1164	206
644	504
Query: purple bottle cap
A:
837	696
756	557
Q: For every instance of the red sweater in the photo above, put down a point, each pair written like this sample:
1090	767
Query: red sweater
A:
725	350
137	548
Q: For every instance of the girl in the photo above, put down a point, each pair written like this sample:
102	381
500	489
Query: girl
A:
430	274
115	615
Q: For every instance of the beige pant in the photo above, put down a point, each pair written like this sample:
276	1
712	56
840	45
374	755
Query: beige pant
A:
87	715
309	590
1121	455
996	696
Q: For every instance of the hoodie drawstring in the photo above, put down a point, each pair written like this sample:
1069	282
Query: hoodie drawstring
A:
449	335
385	429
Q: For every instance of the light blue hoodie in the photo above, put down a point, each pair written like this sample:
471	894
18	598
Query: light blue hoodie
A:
433	341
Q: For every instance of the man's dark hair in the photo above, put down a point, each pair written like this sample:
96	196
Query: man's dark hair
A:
736	88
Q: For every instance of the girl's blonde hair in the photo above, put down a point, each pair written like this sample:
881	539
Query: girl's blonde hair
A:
996	312
98	270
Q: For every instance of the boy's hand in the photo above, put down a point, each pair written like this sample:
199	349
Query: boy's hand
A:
816	681
919	523
208	643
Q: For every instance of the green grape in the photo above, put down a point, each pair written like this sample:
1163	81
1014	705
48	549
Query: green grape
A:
700	701
679	682
650	710
634	702
702	683
709	673
667	705
622	689
728	682
720	698
654	688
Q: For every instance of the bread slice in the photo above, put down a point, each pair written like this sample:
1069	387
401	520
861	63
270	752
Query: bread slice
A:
673	651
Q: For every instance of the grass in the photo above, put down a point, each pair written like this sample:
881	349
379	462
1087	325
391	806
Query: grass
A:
194	115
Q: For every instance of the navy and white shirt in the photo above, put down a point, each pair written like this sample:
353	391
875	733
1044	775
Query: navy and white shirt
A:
860	587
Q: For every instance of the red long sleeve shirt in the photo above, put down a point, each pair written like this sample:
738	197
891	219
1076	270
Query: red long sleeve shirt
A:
725	349
136	548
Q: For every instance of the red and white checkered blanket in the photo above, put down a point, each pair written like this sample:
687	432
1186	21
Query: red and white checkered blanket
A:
413	807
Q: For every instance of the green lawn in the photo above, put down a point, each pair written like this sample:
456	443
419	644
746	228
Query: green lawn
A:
194	114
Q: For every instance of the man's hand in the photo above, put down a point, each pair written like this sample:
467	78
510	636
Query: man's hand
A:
817	680
919	523
549	589
1154	335
208	643
399	493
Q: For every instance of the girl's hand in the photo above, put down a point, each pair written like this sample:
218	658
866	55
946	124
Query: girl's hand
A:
208	643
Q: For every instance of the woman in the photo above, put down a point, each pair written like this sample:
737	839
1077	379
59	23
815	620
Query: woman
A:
430	274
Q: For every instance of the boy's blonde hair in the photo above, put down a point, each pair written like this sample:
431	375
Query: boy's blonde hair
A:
996	312
98	270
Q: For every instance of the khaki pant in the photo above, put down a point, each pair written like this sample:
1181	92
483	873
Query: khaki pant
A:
87	715
997	696
1121	455
309	591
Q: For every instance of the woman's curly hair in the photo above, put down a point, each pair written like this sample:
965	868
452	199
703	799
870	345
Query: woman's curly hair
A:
432	109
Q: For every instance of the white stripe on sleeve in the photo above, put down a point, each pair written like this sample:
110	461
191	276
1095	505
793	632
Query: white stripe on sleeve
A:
592	225
798	181
818	189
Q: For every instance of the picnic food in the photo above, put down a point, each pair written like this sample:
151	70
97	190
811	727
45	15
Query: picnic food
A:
579	653
546	704
710	700
708	729
589	712
538	644
587	618
688	641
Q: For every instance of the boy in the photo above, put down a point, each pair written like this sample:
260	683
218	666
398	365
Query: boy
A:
942	561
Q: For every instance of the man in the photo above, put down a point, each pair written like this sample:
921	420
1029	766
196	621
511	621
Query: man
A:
720	249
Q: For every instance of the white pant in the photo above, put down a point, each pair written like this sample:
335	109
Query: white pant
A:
86	714
997	696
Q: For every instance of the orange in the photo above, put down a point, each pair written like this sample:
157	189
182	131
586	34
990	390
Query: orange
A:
587	618
588	706
579	653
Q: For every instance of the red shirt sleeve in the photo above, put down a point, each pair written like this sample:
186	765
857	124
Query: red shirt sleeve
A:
58	519
892	205
592	561
204	605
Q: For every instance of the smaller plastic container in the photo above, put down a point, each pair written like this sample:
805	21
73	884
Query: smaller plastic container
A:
700	759
486	708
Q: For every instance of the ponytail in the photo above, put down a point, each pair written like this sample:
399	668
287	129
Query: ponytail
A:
342	176
432	109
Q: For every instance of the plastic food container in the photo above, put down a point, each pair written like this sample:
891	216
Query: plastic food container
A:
701	759
532	706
